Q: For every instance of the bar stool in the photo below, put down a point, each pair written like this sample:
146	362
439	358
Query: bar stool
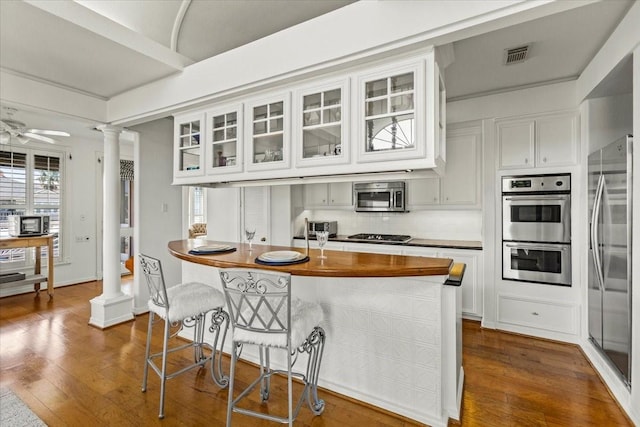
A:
263	313
184	306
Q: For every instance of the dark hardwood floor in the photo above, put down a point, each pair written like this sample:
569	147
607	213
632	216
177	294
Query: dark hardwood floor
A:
72	374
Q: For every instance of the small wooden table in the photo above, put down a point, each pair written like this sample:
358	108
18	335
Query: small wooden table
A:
38	242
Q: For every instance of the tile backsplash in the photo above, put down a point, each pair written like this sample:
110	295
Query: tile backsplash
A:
426	224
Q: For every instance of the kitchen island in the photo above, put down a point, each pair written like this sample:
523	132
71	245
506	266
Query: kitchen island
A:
393	327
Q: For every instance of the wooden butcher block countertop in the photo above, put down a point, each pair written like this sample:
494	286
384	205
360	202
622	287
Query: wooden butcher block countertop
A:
337	263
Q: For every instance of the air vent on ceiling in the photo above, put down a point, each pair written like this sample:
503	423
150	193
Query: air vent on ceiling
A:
516	55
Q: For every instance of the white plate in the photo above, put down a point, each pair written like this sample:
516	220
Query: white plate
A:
281	256
212	248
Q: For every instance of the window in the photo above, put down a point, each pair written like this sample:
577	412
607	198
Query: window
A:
197	205
31	183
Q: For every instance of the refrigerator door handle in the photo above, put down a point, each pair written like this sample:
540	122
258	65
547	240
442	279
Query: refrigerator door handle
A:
595	243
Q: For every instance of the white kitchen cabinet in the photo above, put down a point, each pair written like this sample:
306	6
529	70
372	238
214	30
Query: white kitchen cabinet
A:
223	149
538	141
471	282
333	195
515	311
373	248
390	98
381	116
557	140
322	124
461	184
268	132
188	160
423	192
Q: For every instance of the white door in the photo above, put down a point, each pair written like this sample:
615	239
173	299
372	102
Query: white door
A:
256	213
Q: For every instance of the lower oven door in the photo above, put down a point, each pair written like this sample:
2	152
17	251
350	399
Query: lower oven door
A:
537	262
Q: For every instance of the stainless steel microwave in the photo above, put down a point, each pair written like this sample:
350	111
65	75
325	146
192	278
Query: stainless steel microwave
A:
28	225
380	196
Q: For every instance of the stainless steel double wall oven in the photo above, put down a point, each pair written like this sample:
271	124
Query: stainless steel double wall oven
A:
536	229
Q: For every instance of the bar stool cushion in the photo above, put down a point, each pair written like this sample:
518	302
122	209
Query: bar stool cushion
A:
304	317
189	299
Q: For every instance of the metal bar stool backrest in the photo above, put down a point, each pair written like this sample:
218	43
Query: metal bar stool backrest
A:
258	301
152	271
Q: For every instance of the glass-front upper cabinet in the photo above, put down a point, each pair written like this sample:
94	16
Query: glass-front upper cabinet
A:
321	124
188	135
390	101
224	139
268	133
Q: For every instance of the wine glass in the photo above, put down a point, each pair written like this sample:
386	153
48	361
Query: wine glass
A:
249	233
322	237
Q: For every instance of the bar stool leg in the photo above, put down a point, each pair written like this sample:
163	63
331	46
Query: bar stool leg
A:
219	325
316	340
146	352
289	387
232	371
163	377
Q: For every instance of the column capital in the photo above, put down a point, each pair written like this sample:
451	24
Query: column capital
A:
106	128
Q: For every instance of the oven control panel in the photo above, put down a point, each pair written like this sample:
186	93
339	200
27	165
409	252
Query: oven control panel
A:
536	184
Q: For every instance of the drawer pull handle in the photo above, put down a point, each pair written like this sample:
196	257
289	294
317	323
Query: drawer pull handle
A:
535	313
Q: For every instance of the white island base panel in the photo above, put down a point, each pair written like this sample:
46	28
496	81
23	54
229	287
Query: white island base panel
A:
395	343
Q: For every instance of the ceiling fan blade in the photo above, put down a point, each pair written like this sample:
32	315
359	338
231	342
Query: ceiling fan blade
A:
39	137
48	132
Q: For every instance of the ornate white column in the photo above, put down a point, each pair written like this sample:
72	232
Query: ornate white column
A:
113	306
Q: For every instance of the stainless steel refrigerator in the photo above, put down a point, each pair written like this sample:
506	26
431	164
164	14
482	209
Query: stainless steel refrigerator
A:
610	221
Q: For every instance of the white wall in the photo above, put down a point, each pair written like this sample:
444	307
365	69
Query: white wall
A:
427	224
160	203
79	264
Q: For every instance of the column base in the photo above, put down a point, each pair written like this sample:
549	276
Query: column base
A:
109	312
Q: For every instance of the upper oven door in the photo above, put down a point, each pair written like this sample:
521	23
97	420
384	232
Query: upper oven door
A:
537	217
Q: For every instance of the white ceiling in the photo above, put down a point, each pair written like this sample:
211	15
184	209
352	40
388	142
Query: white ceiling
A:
103	48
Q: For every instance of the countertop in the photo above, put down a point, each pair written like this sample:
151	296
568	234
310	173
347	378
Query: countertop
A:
427	243
337	263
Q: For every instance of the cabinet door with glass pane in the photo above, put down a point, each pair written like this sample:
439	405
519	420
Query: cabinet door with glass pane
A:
224	140
268	132
392	113
321	123
188	155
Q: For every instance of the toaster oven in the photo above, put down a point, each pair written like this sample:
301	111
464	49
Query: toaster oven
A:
330	226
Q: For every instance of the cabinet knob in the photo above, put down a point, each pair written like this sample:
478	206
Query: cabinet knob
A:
263	239
526	161
324	200
544	160
535	313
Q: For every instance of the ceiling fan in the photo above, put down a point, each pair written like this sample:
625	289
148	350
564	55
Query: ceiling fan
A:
10	128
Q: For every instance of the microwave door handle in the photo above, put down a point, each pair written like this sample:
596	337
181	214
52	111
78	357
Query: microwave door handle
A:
594	231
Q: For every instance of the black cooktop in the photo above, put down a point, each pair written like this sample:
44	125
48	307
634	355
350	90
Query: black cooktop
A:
397	238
